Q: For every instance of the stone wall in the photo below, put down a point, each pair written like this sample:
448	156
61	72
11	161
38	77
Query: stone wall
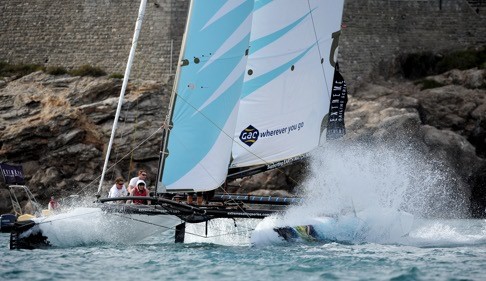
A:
376	33
98	32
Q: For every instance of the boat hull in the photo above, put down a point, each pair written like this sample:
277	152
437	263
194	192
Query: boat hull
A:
6	222
386	226
104	224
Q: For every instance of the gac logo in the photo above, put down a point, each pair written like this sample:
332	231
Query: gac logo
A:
249	135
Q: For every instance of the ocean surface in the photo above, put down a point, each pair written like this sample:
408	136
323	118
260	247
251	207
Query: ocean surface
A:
433	250
385	214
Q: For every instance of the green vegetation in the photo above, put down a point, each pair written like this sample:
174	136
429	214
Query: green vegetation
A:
463	60
56	70
7	69
87	70
429	84
419	65
116	76
19	70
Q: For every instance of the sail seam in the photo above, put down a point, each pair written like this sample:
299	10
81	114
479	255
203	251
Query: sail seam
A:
318	47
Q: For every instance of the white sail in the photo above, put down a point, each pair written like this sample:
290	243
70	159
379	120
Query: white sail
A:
287	86
206	95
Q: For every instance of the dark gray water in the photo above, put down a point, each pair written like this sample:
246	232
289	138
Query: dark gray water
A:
434	250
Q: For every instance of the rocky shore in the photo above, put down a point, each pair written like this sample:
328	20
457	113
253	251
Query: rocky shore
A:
58	128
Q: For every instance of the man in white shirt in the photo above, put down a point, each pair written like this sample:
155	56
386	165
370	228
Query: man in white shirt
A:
118	189
142	175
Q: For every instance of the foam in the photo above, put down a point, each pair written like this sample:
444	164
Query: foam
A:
359	193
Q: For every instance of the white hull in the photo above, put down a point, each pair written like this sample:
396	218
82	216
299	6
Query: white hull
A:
88	226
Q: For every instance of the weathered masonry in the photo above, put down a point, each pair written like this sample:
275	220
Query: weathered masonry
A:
98	32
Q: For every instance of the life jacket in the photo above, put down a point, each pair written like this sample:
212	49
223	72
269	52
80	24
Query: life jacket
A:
53	205
137	192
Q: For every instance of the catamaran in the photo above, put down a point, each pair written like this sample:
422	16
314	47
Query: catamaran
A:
256	86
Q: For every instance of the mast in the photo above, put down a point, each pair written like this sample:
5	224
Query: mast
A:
138	27
159	187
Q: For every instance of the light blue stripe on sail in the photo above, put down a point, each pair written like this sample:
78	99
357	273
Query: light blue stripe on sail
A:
227	7
195	133
254	84
261	3
266	40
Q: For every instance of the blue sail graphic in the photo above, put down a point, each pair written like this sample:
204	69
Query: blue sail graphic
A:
287	87
208	89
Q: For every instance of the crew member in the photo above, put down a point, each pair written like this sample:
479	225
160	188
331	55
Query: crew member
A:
140	190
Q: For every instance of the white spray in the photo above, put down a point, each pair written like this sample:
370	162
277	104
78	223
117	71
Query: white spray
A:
369	189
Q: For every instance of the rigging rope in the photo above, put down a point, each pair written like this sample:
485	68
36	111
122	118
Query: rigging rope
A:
130	165
234	142
186	232
318	47
148	223
125	156
121	140
228	136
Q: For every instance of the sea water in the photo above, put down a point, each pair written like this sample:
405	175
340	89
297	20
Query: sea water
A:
436	250
439	244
